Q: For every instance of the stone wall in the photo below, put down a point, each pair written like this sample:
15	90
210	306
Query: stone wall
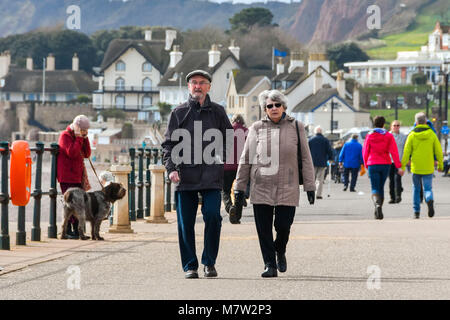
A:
59	115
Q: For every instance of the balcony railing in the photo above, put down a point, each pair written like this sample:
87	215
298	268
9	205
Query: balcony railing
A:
130	89
127	107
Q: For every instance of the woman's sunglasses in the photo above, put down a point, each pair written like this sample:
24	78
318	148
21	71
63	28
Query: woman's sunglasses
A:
277	105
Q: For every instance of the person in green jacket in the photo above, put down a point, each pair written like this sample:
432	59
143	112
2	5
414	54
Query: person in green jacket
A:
421	148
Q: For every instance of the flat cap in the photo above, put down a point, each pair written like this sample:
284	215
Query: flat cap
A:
198	73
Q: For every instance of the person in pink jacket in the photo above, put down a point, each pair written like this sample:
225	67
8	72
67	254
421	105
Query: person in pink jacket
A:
378	149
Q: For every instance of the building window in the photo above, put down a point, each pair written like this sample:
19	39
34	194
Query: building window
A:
70	97
146	101
146	66
52	97
375	75
120	66
120	84
397	75
120	101
147	84
383	74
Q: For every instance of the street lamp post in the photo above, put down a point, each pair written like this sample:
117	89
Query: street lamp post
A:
331	121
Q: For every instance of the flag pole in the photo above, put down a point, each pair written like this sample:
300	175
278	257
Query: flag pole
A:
273	58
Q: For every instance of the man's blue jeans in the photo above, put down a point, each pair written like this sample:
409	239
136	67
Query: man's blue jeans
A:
187	204
427	180
378	174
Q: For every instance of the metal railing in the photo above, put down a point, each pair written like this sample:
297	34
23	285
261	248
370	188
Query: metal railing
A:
36	194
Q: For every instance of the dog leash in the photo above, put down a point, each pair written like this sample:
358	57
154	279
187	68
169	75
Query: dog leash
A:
92	166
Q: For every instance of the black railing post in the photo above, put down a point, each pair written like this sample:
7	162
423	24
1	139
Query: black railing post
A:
140	184
53	193
132	186
167	204
155	156
4	197
21	234
37	195
148	183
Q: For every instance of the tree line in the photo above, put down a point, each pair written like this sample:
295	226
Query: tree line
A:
252	29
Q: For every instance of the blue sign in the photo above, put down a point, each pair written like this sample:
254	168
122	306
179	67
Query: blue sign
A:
445	130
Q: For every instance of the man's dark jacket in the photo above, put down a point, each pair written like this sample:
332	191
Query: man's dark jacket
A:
194	176
320	150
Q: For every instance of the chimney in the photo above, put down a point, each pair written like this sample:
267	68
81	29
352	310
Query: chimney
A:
75	62
296	61
340	84
170	36
50	62
175	56
148	35
30	63
356	96
280	66
317	80
214	56
5	62
234	50
316	60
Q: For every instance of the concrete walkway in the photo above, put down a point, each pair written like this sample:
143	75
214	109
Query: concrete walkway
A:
336	251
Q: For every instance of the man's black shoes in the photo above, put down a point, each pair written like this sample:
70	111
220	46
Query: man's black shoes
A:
210	272
416	215
191	274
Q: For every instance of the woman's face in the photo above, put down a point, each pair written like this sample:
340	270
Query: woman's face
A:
274	110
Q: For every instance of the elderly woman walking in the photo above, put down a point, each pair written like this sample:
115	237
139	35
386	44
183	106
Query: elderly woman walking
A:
269	160
379	147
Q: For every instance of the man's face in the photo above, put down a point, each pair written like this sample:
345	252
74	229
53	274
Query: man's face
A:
395	127
198	87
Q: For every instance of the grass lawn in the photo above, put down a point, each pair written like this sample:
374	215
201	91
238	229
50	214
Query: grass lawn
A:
406	117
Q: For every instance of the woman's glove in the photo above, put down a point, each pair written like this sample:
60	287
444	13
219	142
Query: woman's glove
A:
311	196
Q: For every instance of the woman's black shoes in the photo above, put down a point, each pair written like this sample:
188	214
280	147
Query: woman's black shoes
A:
281	262
269	272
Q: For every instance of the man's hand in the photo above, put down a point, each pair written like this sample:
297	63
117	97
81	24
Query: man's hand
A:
340	164
311	196
400	172
174	177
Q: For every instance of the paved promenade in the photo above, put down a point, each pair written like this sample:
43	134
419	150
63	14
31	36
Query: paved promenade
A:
336	251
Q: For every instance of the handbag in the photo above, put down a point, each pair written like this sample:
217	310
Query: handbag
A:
299	157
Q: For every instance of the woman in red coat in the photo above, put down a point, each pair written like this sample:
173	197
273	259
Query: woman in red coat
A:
74	146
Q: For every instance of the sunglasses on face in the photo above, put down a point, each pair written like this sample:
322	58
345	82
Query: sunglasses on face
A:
276	105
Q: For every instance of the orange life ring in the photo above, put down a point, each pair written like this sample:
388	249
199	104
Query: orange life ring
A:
20	173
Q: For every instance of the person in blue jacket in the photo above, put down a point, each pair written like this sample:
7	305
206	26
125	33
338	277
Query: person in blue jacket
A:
351	158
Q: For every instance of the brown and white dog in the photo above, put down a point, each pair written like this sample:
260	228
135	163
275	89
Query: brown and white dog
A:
91	206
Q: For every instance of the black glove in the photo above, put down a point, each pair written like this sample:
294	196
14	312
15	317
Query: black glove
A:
311	196
239	198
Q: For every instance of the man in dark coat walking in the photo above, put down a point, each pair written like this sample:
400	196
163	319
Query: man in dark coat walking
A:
321	152
197	168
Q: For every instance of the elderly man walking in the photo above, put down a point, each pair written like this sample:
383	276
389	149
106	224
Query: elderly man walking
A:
395	180
320	152
194	173
421	148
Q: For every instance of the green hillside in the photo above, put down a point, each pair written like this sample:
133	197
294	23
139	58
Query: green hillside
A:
418	33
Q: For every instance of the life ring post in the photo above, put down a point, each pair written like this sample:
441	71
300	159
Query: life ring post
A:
4	197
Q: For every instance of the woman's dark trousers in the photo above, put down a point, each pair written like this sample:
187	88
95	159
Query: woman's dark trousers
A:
72	226
264	220
187	205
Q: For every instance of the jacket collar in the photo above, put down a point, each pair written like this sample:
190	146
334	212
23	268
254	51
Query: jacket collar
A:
193	103
287	118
